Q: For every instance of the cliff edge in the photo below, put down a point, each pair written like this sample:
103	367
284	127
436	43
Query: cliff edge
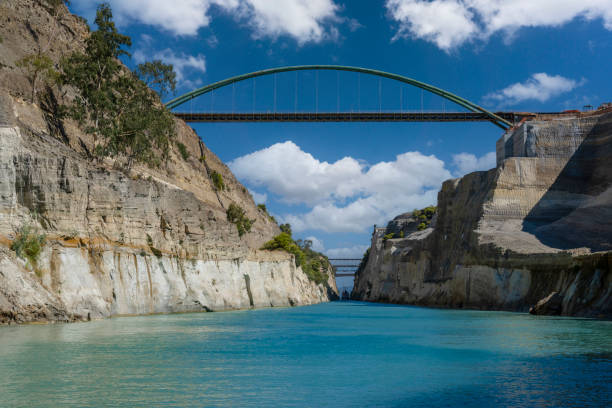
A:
533	233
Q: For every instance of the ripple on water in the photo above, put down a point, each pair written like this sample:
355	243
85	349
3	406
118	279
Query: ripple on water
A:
338	354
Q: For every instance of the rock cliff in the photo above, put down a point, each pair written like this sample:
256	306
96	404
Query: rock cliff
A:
150	240
536	228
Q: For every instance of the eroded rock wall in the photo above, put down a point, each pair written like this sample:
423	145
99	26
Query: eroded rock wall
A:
143	240
506	238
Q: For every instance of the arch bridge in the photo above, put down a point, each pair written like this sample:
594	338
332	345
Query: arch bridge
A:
474	112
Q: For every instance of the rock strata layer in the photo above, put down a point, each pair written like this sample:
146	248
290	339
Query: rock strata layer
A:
541	222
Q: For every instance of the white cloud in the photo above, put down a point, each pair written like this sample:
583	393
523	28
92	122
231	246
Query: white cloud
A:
348	252
347	195
304	20
540	87
355	251
361	214
259	198
182	63
317	244
450	23
183	17
447	23
468	163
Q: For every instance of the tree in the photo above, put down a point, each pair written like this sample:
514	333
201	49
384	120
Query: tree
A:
37	67
286	228
304	244
158	76
125	117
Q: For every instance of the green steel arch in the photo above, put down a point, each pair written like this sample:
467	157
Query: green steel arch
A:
504	124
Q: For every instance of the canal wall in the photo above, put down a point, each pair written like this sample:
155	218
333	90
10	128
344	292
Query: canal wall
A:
119	240
537	225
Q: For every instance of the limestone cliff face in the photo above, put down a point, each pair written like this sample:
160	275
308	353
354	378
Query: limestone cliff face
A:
147	241
539	223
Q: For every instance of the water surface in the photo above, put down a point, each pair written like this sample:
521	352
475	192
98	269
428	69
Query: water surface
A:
330	355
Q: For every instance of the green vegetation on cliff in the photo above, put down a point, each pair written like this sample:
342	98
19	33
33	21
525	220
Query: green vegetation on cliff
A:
313	263
38	68
28	245
237	216
125	117
217	180
183	150
425	215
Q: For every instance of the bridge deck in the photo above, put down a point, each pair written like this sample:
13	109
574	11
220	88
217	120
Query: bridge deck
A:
345	117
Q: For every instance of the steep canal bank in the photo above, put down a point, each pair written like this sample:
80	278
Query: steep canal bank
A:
536	229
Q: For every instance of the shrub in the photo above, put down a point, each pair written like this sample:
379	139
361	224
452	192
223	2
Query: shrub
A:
237	216
283	241
430	211
28	245
425	216
389	236
312	270
217	180
312	263
183	151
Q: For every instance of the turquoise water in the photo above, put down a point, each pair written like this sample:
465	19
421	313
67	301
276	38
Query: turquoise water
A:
330	355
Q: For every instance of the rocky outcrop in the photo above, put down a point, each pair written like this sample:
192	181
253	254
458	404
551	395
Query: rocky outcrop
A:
147	240
550	305
507	238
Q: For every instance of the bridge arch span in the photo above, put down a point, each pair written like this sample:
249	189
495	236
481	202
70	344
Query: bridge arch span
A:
497	120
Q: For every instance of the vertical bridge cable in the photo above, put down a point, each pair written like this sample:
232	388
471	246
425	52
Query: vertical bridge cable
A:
254	85
274	93
233	97
379	96
421	102
401	98
296	92
338	92
358	92
317	92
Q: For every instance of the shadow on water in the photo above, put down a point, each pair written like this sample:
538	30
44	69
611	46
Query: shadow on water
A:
586	175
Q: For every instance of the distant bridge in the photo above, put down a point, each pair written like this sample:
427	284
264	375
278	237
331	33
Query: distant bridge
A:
475	112
347	269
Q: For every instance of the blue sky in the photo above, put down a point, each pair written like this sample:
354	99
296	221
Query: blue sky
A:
332	182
